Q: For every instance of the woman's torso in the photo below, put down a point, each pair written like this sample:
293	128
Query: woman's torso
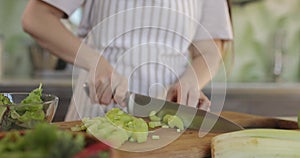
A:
145	40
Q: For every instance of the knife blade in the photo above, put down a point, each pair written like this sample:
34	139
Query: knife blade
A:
194	118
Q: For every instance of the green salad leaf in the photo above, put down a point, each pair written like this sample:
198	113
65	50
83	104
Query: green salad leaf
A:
38	115
4	100
24	115
34	96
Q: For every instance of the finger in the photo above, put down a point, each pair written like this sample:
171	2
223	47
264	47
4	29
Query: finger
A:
182	94
205	106
193	98
92	92
100	90
120	95
92	86
106	97
171	95
204	102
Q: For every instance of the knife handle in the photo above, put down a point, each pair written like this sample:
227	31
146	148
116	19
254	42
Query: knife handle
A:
86	88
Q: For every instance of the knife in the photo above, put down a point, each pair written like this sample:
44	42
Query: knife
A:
193	118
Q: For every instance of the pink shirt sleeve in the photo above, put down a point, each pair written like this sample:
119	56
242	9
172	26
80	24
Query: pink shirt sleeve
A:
67	6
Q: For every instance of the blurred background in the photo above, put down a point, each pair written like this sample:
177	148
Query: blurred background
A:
263	77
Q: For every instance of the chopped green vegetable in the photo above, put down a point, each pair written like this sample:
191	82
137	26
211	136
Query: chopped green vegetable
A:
116	128
117	138
165	126
153	117
154	124
152	113
166	118
140	137
136	127
178	130
101	133
139	130
131	139
173	121
155	137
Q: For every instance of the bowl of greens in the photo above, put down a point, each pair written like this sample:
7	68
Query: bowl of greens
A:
25	110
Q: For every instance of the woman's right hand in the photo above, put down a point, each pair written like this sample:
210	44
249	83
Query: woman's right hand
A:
106	85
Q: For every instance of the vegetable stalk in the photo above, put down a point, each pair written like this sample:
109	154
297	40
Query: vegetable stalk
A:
252	143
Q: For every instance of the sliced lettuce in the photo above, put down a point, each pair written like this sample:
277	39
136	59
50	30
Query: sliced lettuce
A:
34	96
25	114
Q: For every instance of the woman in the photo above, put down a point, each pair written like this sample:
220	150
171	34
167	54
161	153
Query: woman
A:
166	49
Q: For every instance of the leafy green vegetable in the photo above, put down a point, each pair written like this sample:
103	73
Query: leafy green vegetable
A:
34	96
2	112
32	115
24	115
4	100
28	107
44	141
66	145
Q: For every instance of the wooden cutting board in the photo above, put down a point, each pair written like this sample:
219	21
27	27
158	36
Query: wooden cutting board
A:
189	144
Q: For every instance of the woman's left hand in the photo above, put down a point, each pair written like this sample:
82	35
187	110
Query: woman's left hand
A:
187	94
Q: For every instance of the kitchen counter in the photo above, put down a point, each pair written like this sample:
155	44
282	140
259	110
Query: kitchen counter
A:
265	99
198	146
